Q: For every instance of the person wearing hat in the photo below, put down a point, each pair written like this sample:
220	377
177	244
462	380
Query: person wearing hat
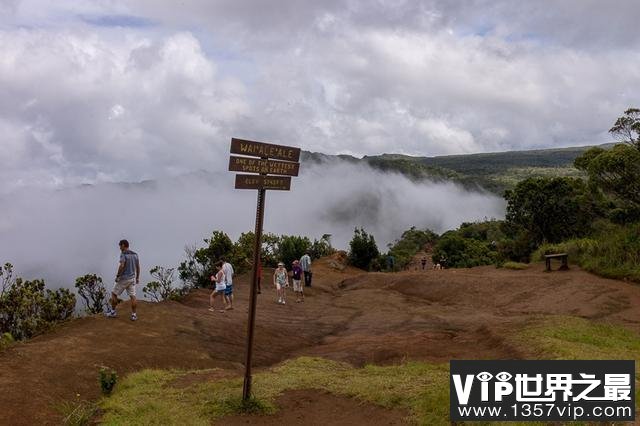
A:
280	281
296	271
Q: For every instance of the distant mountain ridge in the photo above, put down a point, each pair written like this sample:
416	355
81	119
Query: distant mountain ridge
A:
494	172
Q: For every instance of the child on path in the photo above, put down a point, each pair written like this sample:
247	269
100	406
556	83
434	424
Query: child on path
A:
280	281
297	281
218	289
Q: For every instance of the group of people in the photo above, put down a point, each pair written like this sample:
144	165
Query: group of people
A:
223	282
223	286
299	269
128	275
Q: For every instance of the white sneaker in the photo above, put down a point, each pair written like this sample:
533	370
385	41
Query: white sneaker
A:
134	317
279	300
110	313
284	303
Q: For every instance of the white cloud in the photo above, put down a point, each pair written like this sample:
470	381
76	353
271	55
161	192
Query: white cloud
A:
133	90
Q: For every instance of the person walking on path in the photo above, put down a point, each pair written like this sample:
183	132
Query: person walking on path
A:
423	261
296	271
305	264
218	289
127	277
280	281
228	280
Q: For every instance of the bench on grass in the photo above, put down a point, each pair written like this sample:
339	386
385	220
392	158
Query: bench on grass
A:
564	257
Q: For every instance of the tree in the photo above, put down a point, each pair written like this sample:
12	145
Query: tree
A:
162	287
292	247
411	242
461	252
322	247
615	171
198	266
550	209
627	128
363	249
93	292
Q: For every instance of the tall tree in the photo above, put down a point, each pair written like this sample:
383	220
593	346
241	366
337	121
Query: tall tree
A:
616	171
550	209
627	128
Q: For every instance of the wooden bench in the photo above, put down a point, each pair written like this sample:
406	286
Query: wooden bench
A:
564	257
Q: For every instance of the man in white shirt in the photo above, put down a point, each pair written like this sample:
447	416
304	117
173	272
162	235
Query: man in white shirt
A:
228	280
305	264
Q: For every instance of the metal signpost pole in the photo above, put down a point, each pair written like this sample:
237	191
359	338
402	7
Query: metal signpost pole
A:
246	388
278	160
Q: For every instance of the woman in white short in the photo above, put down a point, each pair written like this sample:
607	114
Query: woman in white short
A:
280	281
218	289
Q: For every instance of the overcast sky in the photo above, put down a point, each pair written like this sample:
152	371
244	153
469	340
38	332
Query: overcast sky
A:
103	91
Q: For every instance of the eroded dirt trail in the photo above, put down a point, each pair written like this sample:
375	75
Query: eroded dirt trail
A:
348	316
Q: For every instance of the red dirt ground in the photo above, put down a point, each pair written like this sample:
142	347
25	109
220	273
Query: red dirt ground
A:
348	315
319	408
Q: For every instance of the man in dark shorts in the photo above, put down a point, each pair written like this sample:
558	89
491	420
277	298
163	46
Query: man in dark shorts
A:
127	277
305	264
228	280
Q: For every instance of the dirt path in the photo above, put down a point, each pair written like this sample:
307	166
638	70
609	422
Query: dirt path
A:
319	408
348	316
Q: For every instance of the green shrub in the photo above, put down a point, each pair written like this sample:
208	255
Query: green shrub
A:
411	242
515	266
6	339
454	251
27	309
163	288
322	247
93	292
363	249
107	378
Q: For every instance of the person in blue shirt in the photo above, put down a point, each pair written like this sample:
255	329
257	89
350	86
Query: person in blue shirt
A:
127	277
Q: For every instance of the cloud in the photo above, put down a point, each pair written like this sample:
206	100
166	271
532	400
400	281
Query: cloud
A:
61	234
91	93
118	110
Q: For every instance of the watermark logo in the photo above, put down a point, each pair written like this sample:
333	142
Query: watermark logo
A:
542	390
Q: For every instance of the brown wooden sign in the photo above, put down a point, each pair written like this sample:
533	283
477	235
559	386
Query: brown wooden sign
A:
264	150
282	183
266	165
270	167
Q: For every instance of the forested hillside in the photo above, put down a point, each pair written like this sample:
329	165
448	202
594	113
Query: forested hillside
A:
495	172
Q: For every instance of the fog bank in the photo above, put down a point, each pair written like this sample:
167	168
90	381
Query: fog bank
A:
59	235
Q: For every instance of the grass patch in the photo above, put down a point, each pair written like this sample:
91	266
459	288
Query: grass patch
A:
77	413
421	388
577	338
149	397
518	266
612	252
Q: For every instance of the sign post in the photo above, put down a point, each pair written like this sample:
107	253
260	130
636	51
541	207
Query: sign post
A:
285	165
